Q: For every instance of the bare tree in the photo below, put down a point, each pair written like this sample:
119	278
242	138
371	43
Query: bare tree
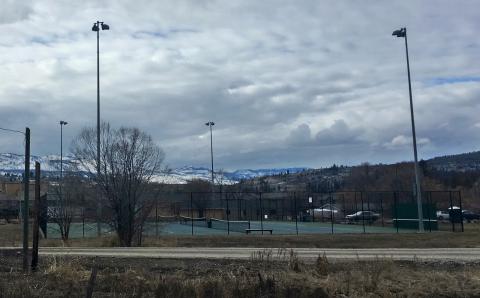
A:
129	160
69	195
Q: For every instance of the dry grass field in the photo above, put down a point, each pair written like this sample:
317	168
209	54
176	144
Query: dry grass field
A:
267	274
11	235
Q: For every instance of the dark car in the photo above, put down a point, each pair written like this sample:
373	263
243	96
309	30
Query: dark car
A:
369	216
470	215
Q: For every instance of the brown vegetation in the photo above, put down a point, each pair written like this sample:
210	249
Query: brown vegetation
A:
10	235
268	274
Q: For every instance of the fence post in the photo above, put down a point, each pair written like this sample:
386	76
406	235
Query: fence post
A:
461	209
228	217
331	210
363	213
395	209
381	209
429	205
239	208
313	208
83	222
261	213
296	212
368	206
36	208
156	217
191	209
26	198
355	201
451	212
91	283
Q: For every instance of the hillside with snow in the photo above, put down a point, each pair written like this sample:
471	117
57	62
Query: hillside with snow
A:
13	164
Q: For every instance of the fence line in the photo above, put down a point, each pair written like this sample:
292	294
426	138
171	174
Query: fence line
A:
211	213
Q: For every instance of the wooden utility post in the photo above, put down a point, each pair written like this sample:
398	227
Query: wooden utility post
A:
26	197
36	208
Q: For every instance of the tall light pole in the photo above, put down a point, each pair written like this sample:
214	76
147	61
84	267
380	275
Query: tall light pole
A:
211	124
403	33
96	28
62	123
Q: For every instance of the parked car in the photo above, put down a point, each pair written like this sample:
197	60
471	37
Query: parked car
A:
470	215
442	215
325	211
369	216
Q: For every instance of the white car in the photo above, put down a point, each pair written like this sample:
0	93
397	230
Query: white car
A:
325	211
442	215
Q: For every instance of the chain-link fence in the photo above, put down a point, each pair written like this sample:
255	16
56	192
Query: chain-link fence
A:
305	213
282	213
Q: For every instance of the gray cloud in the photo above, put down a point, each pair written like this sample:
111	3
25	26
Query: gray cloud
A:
287	82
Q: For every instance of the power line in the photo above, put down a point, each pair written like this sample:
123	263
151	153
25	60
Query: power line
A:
12	130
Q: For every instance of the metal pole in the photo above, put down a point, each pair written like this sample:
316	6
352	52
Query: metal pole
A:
228	217
395	209
99	204
26	197
368	207
211	154
451	214
313	208
191	209
363	212
355	202
461	210
296	212
156	217
429	204
61	154
417	176
261	213
381	208
83	222
36	208
331	211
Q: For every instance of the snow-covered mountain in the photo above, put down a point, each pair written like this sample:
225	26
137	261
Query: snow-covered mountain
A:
247	174
14	164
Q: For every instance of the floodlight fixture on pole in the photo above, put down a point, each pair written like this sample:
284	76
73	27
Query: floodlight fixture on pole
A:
418	191
211	124
97	26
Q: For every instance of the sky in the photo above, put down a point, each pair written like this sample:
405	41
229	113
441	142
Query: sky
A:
291	83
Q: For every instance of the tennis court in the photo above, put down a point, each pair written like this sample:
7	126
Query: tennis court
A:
178	228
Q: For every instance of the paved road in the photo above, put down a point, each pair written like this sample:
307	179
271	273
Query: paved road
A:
457	254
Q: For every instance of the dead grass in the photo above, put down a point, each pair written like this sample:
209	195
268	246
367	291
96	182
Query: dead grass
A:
275	273
10	235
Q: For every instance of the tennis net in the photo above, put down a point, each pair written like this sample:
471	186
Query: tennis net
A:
197	221
165	218
232	225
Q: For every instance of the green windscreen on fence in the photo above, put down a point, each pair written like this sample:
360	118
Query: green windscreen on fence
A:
406	216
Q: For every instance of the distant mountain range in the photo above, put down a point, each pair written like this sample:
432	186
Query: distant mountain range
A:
13	164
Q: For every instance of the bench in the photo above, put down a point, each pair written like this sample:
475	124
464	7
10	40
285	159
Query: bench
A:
248	231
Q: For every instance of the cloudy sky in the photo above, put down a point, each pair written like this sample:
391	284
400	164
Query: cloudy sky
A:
287	83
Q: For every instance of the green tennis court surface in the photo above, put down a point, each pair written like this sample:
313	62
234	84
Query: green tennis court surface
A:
78	230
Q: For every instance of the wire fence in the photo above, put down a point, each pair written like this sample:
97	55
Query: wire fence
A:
282	213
